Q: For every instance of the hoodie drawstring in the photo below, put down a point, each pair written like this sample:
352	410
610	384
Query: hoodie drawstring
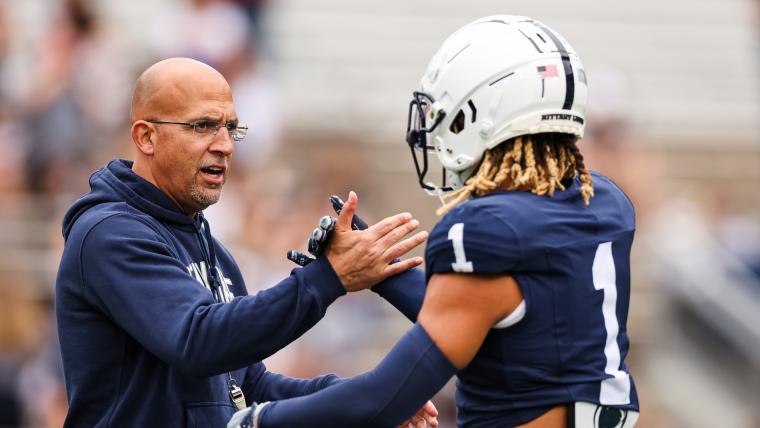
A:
209	254
215	280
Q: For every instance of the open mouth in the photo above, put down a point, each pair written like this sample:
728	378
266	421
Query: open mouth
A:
213	174
215	171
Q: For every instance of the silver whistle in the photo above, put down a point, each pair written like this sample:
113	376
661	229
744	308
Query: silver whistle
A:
237	396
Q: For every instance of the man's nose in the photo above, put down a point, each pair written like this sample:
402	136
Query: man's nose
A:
222	143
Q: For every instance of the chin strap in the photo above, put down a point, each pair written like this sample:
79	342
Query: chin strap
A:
435	191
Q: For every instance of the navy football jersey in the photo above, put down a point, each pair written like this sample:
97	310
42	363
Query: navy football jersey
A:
571	262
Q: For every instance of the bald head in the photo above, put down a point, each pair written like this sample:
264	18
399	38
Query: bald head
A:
173	151
169	85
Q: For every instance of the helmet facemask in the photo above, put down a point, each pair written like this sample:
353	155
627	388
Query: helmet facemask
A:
423	118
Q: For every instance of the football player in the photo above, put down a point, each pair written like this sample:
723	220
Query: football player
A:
528	272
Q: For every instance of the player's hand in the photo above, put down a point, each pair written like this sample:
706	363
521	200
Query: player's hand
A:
427	414
361	258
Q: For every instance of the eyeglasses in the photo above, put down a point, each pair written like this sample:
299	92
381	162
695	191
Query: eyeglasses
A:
209	127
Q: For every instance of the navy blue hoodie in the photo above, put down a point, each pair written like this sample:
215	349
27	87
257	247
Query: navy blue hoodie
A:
144	342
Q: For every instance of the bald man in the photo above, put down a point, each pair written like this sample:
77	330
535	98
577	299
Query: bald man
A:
154	322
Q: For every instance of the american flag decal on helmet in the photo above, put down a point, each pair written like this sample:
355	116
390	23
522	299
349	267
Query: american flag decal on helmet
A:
546	71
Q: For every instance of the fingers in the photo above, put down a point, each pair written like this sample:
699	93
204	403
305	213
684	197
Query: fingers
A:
320	235
327	223
315	240
429	409
415	421
403	247
347	213
401	266
397	233
386	225
418	420
426	415
361	258
430	413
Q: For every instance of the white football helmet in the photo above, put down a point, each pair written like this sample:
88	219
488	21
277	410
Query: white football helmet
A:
494	79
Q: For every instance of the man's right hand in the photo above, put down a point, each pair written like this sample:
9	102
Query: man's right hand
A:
361	258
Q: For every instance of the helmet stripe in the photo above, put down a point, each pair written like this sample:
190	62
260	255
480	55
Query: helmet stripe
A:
501	78
569	77
531	41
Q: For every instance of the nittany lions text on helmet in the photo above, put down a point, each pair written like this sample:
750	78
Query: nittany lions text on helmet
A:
528	80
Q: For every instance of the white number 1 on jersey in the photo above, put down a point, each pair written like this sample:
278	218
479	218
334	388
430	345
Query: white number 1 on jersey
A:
617	389
456	236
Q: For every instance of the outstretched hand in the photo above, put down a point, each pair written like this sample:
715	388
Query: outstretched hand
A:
361	258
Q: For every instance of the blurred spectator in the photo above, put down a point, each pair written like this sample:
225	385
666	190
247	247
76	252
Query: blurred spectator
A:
11	331
212	31
77	100
10	405
254	9
736	227
40	384
741	235
193	31
11	167
11	163
21	336
5	37
609	144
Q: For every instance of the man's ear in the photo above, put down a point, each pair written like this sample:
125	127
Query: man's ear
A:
144	136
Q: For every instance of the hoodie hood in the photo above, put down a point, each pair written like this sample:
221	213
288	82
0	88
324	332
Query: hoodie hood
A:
116	182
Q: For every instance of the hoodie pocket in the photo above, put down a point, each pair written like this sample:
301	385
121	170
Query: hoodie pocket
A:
208	414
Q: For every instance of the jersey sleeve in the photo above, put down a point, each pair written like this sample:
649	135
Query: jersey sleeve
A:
470	239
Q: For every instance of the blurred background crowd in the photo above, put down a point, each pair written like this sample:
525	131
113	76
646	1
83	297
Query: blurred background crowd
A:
674	120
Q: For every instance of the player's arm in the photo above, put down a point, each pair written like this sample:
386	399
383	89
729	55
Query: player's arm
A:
405	291
261	385
458	312
394	391
460	309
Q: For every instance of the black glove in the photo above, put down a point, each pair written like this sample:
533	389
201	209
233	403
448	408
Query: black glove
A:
320	236
356	222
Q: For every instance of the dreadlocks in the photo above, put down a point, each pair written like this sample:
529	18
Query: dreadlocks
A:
537	163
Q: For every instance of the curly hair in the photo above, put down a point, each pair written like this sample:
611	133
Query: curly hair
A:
537	163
